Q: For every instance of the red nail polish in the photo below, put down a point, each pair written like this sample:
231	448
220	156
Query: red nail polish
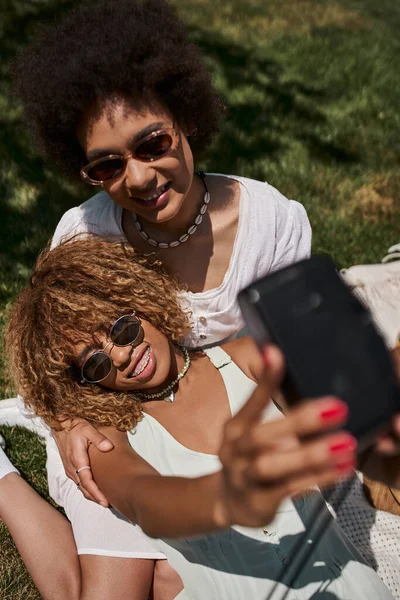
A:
336	412
346	445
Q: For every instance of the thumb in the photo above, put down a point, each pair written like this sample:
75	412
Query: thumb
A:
100	441
274	367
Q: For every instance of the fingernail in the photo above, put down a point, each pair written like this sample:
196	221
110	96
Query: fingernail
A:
347	444
104	504
106	445
337	411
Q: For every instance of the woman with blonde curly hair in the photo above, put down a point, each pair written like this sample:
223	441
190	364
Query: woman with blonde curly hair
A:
64	308
198	449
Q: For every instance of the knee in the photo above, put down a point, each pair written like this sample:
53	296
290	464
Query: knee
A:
165	577
164	573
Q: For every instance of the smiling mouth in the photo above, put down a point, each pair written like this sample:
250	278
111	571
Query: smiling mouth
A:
142	364
159	193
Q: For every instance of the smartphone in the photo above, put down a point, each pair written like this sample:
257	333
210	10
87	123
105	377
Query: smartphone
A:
330	343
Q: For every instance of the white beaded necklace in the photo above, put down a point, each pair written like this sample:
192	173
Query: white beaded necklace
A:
190	231
168	391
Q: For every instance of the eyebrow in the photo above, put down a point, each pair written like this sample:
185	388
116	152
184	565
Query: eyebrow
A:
100	152
83	355
92	348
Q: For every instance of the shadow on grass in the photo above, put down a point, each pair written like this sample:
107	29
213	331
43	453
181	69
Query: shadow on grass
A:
26	223
266	111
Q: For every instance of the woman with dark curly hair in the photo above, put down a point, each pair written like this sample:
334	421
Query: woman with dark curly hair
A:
98	335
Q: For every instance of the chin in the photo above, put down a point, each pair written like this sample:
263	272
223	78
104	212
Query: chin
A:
169	212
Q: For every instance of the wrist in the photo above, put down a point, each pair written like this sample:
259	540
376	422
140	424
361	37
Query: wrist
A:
221	514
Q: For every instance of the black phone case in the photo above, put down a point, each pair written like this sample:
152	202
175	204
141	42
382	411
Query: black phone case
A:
329	341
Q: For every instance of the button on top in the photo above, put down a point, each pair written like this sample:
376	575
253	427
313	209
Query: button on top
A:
202	336
203	320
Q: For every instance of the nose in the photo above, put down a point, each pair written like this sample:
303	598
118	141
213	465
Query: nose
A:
120	355
139	175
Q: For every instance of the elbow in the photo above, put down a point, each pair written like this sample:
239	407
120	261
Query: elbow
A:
149	527
151	532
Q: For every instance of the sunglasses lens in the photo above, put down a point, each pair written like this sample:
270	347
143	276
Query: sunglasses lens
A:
125	330
155	147
97	367
107	169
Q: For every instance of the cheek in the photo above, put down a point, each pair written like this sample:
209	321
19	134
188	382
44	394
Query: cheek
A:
162	350
113	188
111	381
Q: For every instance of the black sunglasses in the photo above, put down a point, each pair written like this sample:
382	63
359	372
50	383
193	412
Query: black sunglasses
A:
153	147
124	332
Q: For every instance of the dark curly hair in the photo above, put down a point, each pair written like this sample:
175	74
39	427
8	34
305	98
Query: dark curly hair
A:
137	50
77	289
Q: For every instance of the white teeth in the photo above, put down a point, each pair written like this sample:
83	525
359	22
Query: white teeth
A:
156	195
144	361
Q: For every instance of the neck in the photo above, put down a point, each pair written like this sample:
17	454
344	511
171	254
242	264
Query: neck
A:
185	216
178	362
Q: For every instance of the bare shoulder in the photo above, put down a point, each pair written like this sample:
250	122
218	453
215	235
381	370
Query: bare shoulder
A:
118	438
246	355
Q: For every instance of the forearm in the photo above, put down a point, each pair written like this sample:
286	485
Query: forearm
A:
43	537
172	506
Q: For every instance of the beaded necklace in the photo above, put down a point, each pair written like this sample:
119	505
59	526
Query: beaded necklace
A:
168	391
190	231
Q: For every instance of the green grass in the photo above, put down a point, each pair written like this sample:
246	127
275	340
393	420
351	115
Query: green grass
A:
312	93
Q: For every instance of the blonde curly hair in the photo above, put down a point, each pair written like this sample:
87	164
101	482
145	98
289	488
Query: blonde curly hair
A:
77	289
